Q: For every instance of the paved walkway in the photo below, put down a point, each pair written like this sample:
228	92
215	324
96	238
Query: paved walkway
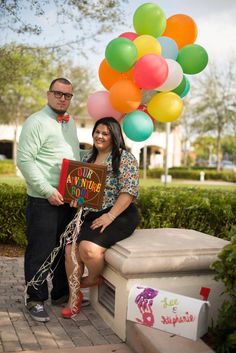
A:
18	332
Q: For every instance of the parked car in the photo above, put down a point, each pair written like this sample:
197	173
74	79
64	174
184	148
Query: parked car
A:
225	165
228	165
2	157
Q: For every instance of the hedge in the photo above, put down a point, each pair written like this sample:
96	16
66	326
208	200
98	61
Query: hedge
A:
209	211
12	213
193	174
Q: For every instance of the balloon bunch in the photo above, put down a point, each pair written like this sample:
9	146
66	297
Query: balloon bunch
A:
144	72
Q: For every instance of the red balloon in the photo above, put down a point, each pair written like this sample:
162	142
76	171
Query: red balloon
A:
129	35
150	71
143	108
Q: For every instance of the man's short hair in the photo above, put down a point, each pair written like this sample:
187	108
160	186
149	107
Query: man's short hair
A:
61	80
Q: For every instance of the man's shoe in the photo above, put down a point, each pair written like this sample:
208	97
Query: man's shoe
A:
85	303
37	312
64	299
61	300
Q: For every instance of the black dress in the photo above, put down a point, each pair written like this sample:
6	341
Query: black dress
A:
122	227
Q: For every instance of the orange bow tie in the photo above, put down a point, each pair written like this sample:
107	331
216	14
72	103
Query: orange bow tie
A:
61	118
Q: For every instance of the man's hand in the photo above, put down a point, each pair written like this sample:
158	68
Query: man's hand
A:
74	203
56	199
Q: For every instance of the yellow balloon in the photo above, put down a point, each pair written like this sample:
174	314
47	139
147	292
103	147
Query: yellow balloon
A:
165	107
146	44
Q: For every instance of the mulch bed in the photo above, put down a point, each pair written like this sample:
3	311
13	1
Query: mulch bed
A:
11	250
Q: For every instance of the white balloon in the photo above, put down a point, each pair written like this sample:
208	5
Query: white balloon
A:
175	76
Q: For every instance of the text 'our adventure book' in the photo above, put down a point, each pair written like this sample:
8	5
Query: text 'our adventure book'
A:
83	182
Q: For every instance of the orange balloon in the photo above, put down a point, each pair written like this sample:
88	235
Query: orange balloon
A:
108	76
182	29
125	96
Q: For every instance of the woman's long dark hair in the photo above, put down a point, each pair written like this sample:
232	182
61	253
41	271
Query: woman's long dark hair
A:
118	143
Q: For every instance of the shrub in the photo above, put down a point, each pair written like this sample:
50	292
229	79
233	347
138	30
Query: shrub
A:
12	213
223	334
193	174
208	211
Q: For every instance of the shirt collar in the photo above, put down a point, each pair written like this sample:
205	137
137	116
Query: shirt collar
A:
50	112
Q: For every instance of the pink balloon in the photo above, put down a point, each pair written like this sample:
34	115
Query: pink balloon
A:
150	71
129	35
99	106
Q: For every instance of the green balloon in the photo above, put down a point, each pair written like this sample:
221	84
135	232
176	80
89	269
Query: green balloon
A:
121	54
149	19
186	89
180	88
193	58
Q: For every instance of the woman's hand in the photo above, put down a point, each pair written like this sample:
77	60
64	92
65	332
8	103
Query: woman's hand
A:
102	221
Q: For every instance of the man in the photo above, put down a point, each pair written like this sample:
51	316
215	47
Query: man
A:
47	137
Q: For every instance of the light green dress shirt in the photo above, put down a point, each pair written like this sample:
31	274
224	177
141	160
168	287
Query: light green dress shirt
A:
42	145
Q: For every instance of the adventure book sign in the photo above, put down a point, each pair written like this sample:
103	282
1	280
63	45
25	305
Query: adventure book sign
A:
83	182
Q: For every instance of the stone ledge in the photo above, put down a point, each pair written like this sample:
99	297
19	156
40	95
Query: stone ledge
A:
144	339
170	259
164	250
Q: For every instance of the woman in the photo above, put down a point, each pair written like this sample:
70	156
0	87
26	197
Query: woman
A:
118	217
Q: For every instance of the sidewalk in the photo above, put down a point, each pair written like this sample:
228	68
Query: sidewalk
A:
18	332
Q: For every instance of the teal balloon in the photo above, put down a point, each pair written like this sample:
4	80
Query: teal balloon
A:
137	126
193	58
149	19
121	54
186	89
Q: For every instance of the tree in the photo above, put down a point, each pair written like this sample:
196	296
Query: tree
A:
83	85
24	82
229	147
205	147
186	132
212	106
89	19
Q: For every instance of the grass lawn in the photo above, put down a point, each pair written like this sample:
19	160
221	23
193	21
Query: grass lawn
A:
14	180
189	183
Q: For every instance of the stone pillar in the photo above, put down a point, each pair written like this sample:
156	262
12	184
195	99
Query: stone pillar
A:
175	260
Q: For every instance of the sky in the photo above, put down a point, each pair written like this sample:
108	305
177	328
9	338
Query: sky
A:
214	19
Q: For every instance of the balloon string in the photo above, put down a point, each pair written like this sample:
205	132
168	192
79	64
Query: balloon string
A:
74	278
45	271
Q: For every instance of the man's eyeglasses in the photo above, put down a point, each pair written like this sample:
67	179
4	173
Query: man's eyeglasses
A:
59	94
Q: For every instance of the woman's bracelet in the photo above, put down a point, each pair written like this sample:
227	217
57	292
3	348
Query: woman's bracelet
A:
111	216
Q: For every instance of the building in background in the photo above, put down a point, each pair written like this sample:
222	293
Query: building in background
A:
151	151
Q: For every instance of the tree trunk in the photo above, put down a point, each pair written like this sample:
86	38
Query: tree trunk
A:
218	149
15	138
14	145
185	153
